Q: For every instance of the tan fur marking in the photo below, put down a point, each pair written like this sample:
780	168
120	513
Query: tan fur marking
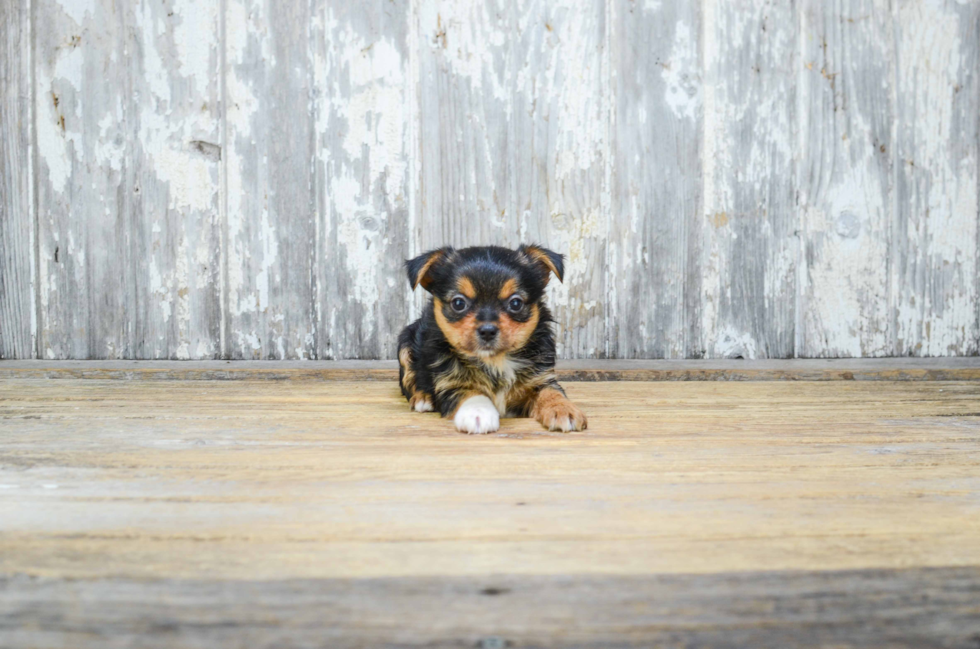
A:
465	286
464	377
522	394
513	334
408	376
555	412
460	335
422	276
539	256
509	288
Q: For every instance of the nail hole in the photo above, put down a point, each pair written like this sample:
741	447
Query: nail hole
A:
494	590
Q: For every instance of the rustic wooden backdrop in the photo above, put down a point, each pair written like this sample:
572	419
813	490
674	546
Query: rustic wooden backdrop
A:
243	178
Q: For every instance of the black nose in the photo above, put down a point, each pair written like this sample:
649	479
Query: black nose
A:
487	332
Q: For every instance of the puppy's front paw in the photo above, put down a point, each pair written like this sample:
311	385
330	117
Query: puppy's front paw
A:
420	402
555	412
477	415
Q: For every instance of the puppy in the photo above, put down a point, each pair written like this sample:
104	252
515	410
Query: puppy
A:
484	347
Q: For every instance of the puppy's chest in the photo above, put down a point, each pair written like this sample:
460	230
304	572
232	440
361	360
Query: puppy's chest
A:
505	377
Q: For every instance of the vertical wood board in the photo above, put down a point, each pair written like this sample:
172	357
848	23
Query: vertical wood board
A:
934	245
270	239
363	89
127	120
845	179
654	241
750	248
18	315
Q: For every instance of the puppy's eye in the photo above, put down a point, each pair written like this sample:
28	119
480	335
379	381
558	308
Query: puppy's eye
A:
515	304
458	303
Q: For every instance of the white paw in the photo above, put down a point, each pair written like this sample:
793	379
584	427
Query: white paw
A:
477	415
423	405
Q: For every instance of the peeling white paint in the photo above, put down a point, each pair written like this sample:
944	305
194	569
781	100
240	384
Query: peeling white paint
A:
681	75
78	10
936	311
524	117
56	134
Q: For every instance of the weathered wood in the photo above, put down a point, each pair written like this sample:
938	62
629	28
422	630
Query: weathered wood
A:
750	248
364	90
886	369
514	112
934	242
654	244
261	480
912	608
127	121
270	138
745	514
845	184
559	156
238	179
17	264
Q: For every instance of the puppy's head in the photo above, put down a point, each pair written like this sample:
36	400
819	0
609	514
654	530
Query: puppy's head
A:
486	299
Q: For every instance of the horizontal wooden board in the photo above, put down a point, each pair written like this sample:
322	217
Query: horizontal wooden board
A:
265	513
914	608
269	480
880	369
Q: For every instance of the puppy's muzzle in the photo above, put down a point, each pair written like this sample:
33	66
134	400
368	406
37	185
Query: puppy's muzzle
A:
487	333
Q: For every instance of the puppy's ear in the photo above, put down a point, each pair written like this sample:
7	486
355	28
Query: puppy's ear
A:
419	269
545	260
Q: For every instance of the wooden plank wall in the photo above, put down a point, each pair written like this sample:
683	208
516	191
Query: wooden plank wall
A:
242	178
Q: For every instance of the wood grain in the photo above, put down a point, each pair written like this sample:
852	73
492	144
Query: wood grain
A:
911	608
364	93
750	249
846	181
885	369
127	125
655	237
232	179
271	480
935	235
754	514
270	294
17	268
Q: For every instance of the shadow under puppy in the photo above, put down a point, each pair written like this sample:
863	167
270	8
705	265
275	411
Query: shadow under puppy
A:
484	346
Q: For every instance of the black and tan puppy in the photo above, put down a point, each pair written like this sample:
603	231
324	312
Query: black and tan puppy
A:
484	347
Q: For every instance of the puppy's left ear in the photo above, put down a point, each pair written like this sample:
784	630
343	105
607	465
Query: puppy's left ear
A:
546	260
419	269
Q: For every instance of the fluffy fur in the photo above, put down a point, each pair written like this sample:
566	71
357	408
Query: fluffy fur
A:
484	346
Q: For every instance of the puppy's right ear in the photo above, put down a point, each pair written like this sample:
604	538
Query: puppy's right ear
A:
419	269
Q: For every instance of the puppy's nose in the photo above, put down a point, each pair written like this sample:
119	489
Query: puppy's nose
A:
487	332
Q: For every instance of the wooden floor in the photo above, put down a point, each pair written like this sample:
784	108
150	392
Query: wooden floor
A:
325	514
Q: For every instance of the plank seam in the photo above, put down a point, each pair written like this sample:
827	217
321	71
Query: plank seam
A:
891	233
35	252
611	106
223	351
415	151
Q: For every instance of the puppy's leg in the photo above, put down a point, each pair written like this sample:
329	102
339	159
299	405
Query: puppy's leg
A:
418	400
406	376
554	411
476	414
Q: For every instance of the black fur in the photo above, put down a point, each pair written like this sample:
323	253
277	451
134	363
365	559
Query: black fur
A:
430	353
